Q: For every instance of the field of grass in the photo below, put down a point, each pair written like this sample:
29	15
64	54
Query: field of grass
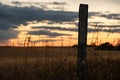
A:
56	63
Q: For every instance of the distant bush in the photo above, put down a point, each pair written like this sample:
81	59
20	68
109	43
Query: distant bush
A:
105	46
118	47
75	45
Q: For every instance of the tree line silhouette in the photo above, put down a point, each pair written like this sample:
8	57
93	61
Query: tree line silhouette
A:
103	46
107	46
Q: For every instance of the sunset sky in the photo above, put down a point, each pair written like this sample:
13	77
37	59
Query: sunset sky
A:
55	22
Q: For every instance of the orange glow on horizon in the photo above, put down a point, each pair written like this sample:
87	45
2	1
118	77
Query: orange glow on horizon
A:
44	40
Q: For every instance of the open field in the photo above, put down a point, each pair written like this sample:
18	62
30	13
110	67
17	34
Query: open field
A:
56	63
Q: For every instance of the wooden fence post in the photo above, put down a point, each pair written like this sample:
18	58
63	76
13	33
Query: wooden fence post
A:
82	41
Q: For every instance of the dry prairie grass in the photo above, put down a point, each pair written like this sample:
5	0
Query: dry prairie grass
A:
51	64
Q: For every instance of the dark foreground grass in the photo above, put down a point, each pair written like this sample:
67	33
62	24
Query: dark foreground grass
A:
52	64
105	69
97	70
38	71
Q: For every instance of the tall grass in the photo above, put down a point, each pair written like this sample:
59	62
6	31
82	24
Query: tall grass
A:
49	64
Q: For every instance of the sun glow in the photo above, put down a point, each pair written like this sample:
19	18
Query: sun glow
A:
66	40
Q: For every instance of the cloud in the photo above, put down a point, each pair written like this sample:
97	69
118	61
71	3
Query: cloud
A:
38	3
55	28
101	28
17	3
7	34
112	30
110	26
95	23
91	14
115	16
103	25
106	28
44	5
13	16
111	16
47	33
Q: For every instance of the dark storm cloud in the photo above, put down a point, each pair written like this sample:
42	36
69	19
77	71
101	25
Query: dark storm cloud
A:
100	28
59	3
38	3
11	17
44	5
48	33
115	16
7	34
14	16
111	29
111	16
56	28
109	26
17	3
91	14
90	30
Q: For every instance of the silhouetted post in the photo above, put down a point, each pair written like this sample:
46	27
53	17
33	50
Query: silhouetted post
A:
82	41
